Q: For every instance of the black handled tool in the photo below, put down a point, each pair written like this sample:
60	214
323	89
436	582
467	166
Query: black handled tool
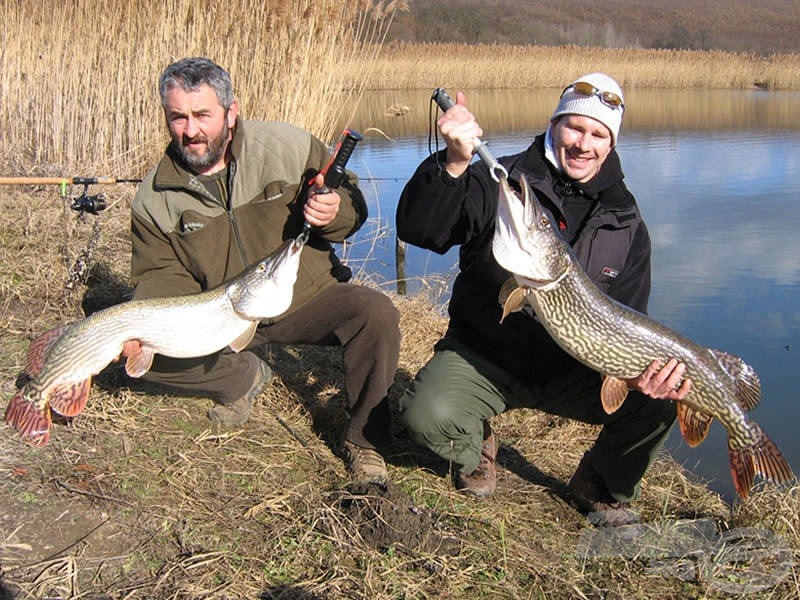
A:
334	171
495	168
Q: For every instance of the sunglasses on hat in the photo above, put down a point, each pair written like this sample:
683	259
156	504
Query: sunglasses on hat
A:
584	88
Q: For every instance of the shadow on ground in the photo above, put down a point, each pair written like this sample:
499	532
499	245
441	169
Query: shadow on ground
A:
287	592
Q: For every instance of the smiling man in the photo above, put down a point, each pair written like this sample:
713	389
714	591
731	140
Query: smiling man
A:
482	366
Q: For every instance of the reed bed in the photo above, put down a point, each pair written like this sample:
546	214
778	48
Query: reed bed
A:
507	110
79	78
415	66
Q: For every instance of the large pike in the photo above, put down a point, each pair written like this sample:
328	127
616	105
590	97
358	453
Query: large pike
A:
620	343
62	361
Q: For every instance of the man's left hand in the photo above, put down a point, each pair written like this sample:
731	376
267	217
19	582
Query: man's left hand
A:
663	382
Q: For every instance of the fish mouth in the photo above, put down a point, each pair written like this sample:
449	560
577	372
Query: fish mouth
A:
514	246
266	289
508	246
297	244
288	250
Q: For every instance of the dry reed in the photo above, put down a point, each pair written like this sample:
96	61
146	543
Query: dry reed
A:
79	78
420	66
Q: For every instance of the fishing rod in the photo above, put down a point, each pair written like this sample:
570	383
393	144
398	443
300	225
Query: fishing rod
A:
85	203
496	170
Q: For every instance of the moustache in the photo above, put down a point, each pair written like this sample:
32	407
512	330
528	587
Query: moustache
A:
199	138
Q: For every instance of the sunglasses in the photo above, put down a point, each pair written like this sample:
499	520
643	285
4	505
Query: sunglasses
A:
583	88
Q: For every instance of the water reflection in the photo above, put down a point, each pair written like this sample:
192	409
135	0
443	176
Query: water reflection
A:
716	204
502	111
717	175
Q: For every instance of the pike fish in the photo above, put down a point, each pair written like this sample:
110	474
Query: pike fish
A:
619	342
62	361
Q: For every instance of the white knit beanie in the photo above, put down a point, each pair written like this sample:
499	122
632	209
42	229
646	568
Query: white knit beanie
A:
592	106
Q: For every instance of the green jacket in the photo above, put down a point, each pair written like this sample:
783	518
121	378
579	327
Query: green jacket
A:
184	240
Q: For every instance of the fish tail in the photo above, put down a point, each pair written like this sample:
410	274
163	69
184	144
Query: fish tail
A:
30	421
762	458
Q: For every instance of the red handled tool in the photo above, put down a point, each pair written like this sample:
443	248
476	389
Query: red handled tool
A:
334	171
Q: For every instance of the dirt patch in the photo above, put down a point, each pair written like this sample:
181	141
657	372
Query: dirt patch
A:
381	516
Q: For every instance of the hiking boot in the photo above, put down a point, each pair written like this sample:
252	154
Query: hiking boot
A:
236	413
483	480
591	495
365	464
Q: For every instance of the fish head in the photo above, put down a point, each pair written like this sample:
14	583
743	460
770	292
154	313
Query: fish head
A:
526	242
265	290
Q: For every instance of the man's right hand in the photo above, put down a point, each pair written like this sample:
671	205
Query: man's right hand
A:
460	132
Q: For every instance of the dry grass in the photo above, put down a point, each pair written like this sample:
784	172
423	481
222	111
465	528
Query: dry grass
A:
79	79
421	66
139	498
735	25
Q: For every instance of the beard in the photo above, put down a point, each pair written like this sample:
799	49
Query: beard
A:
215	148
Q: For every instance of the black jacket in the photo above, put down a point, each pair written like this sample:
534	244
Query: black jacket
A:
600	219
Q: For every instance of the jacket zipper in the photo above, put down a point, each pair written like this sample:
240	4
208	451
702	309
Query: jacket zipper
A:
229	209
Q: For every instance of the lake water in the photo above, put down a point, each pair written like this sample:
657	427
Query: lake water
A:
717	177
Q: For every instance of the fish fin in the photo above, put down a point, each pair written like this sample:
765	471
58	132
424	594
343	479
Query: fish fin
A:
743	471
70	400
515	301
771	464
693	423
39	347
613	393
509	285
747	383
28	420
241	342
139	361
762	458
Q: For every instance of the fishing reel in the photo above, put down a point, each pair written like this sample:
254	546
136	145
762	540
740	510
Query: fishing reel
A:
89	203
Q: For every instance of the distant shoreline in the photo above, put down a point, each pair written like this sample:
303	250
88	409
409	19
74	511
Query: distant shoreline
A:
404	65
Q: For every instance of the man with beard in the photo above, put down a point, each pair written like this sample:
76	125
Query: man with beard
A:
228	192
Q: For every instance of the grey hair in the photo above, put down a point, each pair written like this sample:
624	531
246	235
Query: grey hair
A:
190	73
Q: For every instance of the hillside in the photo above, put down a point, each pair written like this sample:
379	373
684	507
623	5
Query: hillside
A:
732	25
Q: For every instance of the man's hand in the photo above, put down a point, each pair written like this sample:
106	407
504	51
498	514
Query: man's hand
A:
663	382
321	209
459	130
128	348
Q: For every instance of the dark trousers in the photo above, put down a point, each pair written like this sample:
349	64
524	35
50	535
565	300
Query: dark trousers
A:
363	321
446	404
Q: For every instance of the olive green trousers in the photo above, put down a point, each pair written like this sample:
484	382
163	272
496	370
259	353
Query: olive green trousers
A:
446	404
